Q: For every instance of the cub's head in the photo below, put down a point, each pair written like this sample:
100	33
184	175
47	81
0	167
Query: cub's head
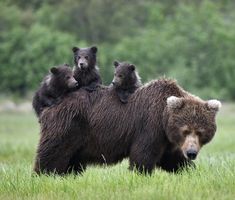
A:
85	58
125	75
62	77
191	123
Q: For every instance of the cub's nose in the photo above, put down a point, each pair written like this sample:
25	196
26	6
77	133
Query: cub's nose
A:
81	64
192	154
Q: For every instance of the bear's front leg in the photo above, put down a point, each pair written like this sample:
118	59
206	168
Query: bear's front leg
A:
48	101
77	164
123	96
145	154
173	161
91	87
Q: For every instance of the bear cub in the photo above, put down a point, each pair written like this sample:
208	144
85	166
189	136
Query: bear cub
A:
126	80
54	86
86	71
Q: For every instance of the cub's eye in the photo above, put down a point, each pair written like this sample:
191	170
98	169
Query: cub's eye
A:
86	57
67	77
186	132
78	57
120	76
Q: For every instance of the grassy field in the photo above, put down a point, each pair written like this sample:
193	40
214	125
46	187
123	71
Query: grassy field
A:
214	177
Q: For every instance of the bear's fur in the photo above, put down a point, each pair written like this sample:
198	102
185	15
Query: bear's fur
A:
150	130
86	71
126	80
53	87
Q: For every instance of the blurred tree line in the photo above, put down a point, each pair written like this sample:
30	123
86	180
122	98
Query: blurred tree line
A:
191	41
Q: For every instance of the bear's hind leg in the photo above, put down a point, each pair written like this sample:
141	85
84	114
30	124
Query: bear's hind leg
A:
50	157
54	153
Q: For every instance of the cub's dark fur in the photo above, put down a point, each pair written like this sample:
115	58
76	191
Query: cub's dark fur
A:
126	80
85	71
54	86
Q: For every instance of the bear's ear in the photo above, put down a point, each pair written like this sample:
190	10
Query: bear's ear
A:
214	105
75	49
94	49
174	102
131	67
54	70
116	63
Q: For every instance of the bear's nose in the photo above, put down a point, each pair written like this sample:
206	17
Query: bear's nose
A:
81	64
192	154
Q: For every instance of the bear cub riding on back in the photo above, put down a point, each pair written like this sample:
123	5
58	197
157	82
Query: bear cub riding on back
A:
54	87
126	80
86	71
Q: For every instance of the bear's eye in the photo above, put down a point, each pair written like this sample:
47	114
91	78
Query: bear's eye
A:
199	133
78	57
86	57
120	76
186	132
67	77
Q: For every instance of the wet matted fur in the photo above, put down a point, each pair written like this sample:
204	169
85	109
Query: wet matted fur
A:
97	128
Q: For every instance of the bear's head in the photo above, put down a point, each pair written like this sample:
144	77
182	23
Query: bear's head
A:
125	75
62	77
85	58
190	123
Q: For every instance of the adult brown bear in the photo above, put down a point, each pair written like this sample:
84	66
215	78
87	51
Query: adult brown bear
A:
161	125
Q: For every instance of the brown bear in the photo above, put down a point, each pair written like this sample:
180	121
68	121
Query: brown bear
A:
126	80
161	126
86	71
53	87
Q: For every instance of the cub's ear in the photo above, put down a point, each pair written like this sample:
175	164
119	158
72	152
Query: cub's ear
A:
75	49
116	63
94	49
174	102
214	104
54	70
131	67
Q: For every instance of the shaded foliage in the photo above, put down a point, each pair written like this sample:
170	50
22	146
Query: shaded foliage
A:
192	41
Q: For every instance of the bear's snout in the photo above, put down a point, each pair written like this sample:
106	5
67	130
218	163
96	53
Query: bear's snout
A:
191	154
191	146
73	84
83	63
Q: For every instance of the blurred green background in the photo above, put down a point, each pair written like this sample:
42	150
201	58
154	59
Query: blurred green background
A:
191	41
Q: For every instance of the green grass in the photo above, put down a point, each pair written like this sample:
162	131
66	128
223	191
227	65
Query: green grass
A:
214	177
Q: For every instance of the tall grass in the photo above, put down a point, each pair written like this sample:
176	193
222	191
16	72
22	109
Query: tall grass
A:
214	177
